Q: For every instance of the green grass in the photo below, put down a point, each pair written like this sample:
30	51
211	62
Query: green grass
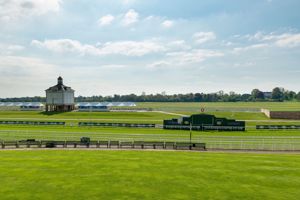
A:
122	117
252	139
222	106
235	115
213	138
120	175
83	115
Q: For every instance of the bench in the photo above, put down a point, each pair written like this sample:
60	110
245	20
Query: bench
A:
126	144
199	146
113	144
50	145
169	145
138	144
190	146
102	143
154	145
9	144
183	145
108	144
30	142
55	143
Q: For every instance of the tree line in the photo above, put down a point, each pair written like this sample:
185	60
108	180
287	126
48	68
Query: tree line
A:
277	95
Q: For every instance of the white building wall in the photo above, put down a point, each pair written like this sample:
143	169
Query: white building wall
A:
60	98
68	97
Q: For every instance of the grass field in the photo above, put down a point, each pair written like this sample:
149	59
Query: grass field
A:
262	139
222	106
141	117
250	140
148	175
93	174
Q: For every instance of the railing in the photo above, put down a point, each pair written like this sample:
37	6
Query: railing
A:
268	143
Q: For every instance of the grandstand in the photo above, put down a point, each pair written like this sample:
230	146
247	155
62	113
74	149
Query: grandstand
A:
101	106
80	106
24	106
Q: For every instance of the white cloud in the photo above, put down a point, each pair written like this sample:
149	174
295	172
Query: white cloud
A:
24	66
280	40
184	58
245	64
126	48
106	20
193	56
167	23
11	10
15	47
24	76
65	45
251	47
128	2
151	17
178	45
6	49
130	18
132	48
159	64
288	40
202	37
114	66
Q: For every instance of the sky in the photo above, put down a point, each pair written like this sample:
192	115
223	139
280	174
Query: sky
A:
111	47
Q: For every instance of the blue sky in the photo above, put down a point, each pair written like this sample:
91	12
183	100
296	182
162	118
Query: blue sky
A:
134	46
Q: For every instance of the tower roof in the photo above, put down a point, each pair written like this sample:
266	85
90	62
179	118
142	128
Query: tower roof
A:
59	87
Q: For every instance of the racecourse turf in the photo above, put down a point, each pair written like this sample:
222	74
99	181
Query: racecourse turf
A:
110	174
251	139
73	174
221	106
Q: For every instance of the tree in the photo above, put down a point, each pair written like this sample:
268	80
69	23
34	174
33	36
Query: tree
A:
246	97
198	97
257	94
278	94
298	96
289	95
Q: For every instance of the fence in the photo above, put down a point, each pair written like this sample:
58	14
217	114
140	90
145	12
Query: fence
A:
276	127
31	123
270	143
116	125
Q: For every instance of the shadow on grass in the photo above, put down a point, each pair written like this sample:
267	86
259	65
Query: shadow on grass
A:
51	113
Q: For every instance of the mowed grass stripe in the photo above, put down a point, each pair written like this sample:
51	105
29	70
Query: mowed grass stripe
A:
148	175
220	106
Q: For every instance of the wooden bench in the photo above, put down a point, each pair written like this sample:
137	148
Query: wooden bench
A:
183	145
199	146
55	143
169	145
113	144
29	143
154	145
138	144
108	144
126	144
102	143
9	144
190	146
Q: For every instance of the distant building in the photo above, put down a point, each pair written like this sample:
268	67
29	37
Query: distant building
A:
92	107
102	106
267	95
60	97
31	106
23	106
